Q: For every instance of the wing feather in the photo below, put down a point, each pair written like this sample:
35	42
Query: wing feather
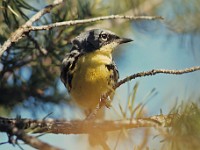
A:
68	67
114	74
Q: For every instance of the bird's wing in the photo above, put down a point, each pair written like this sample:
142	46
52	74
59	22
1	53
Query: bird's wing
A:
68	67
114	74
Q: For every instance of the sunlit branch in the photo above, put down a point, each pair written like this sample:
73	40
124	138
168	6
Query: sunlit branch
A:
19	33
83	21
14	129
27	27
138	75
84	126
156	71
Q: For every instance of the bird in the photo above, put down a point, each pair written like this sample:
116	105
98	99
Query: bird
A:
88	70
89	73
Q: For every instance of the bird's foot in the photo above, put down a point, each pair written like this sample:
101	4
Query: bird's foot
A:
105	101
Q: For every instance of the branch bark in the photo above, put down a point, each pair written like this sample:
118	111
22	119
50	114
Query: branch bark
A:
27	27
88	126
18	34
32	141
15	127
84	126
156	71
83	21
101	104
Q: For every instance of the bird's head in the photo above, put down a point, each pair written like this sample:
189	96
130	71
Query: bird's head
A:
97	39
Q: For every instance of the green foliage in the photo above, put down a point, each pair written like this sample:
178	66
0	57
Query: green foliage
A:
185	131
14	12
30	68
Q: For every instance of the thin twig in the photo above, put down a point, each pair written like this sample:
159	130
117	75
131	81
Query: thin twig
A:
27	27
143	74
83	21
154	72
32	141
93	114
41	49
18	34
15	127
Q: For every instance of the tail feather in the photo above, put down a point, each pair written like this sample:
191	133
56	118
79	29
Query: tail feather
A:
98	138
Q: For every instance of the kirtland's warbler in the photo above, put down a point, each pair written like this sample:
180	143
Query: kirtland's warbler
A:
88	70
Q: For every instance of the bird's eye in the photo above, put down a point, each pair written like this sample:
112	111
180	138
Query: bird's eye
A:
104	37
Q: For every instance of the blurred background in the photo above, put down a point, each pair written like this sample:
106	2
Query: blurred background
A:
29	71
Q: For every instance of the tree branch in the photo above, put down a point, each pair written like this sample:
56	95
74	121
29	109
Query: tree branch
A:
83	21
83	126
32	141
27	27
154	72
18	34
14	128
92	115
89	126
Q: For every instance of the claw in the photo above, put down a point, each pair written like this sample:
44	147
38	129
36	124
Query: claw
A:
105	101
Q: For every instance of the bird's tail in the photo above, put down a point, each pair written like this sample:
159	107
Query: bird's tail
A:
98	137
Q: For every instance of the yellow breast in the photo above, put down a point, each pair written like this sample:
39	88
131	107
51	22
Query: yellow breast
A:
90	79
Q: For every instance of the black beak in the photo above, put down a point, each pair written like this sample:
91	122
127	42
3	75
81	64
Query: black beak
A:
124	40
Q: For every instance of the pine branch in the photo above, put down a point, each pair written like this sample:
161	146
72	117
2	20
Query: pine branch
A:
83	126
90	125
101	104
83	21
14	128
27	27
31	140
156	71
19	33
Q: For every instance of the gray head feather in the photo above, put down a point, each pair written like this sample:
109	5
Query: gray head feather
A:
92	40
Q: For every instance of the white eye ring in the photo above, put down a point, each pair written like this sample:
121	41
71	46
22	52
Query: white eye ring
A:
104	37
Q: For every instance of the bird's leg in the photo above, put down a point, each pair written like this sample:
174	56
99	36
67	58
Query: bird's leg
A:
105	100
